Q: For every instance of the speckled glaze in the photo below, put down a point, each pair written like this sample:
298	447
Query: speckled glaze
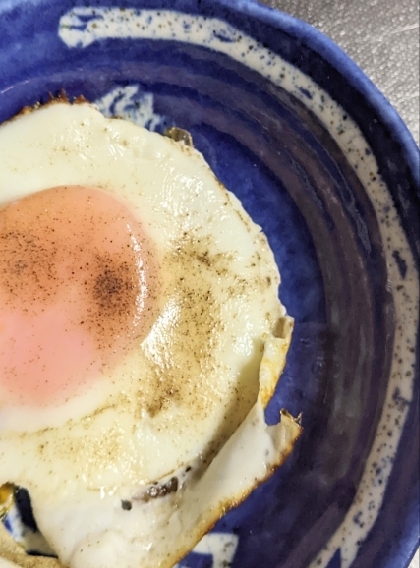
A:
320	160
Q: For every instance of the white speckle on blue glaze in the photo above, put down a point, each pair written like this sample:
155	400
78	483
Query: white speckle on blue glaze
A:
82	26
221	547
132	104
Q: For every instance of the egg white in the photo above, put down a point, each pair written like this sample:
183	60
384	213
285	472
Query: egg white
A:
188	401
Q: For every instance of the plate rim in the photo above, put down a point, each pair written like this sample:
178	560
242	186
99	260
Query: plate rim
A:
336	57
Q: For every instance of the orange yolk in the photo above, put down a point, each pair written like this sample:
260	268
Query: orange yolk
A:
77	289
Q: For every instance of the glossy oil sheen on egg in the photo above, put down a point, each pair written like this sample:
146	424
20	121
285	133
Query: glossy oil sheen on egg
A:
192	379
182	385
77	288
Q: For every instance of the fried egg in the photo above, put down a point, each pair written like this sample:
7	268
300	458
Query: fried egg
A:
141	337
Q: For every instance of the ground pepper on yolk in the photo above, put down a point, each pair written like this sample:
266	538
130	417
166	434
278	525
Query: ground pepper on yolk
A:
77	286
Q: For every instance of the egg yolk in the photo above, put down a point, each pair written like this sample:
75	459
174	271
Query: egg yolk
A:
78	284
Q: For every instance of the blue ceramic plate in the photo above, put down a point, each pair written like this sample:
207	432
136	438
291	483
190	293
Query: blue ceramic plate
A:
322	162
